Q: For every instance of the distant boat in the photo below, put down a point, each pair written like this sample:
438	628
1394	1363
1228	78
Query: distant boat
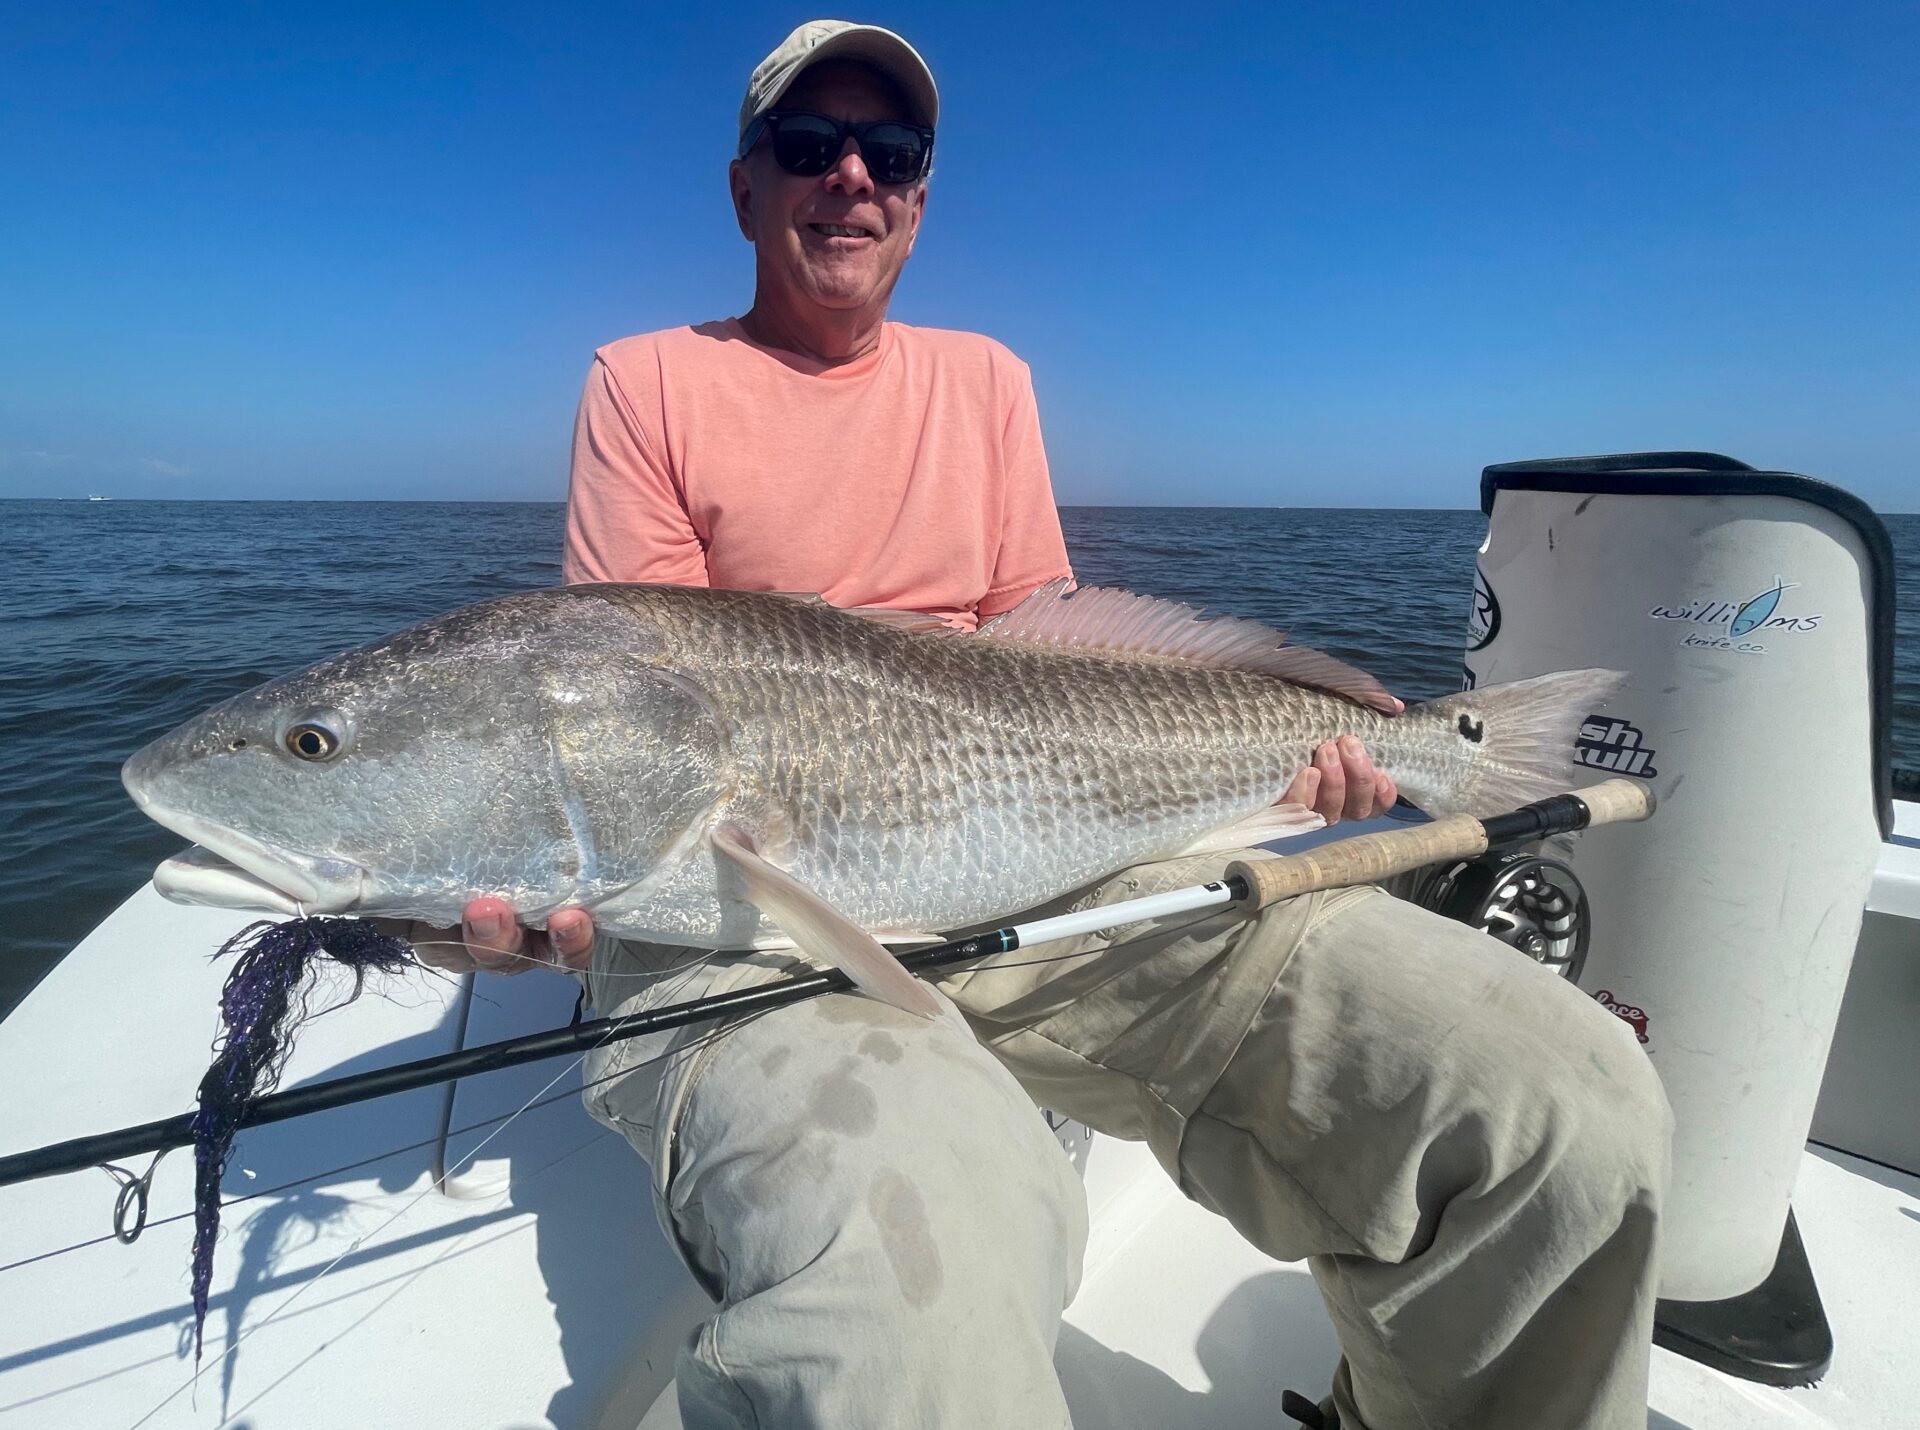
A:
98	498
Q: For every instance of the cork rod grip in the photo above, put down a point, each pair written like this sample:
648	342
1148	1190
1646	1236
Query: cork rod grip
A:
1364	859
1617	801
1369	858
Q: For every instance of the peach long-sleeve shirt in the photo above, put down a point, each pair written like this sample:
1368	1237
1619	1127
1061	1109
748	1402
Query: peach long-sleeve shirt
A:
911	478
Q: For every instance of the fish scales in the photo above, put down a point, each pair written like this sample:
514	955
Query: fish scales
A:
935	781
607	745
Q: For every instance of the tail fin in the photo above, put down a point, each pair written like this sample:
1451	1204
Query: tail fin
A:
1511	743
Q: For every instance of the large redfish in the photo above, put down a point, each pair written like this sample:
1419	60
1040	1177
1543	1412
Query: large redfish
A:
727	768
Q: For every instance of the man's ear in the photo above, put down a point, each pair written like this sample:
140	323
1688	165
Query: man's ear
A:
741	183
914	214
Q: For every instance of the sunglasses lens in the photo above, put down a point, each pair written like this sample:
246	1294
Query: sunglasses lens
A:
805	145
894	153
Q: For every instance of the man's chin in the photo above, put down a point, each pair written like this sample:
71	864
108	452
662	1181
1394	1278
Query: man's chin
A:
843	281
843	294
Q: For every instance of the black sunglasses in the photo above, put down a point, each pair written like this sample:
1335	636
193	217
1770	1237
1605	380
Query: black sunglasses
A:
806	144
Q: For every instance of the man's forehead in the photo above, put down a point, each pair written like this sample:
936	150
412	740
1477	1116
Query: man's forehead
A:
847	89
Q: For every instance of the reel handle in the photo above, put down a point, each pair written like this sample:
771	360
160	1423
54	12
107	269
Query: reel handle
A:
1370	858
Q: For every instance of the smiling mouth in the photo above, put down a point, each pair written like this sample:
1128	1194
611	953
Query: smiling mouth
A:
841	230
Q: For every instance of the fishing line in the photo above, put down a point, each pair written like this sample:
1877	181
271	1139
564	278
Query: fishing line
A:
701	956
474	1126
446	1252
543	1097
559	1097
539	1099
405	1207
461	1131
352	1247
1036	962
368	1161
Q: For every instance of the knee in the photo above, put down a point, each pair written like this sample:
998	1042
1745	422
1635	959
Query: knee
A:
1608	1118
880	1211
892	1153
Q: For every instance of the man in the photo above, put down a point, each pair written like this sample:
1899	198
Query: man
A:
1470	1151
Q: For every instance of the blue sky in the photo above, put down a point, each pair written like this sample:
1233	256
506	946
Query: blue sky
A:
1305	254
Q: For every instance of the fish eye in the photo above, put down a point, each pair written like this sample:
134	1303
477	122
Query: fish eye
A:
311	740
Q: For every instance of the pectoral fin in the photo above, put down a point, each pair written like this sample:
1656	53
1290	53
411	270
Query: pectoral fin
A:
822	930
1276	821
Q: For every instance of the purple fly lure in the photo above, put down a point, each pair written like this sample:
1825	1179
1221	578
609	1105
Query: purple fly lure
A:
263	1002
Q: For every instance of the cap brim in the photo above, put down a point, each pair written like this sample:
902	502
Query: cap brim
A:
882	49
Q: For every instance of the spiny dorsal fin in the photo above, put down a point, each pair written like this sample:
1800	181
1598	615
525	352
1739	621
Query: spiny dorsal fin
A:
900	620
1120	623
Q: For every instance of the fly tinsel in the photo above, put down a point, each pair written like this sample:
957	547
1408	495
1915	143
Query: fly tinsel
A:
265	999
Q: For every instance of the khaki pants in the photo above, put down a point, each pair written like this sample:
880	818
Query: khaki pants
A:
1468	1150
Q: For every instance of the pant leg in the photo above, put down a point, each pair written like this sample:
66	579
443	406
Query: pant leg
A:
888	1225
1471	1152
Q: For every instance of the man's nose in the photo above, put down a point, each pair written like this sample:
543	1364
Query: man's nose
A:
849	172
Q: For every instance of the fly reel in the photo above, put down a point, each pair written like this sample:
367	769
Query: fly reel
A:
1527	901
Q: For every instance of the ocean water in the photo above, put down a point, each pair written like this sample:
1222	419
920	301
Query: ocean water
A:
120	619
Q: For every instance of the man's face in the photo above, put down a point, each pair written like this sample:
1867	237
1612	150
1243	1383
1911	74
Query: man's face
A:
800	227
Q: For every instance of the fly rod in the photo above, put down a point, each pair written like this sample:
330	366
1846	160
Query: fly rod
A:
1254	883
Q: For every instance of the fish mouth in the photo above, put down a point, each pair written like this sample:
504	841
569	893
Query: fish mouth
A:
199	876
230	870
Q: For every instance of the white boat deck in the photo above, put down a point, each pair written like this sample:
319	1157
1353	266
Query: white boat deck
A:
365	1298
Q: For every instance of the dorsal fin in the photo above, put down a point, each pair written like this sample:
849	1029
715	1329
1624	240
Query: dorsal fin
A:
1122	624
919	621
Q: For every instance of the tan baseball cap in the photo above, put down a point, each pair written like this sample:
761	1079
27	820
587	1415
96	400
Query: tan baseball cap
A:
840	40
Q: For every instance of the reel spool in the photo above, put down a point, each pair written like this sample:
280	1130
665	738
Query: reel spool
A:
1527	901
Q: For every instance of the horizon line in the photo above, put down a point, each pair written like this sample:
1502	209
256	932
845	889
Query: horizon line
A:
549	501
531	501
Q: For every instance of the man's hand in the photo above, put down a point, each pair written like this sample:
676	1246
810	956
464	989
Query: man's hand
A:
495	941
1342	783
